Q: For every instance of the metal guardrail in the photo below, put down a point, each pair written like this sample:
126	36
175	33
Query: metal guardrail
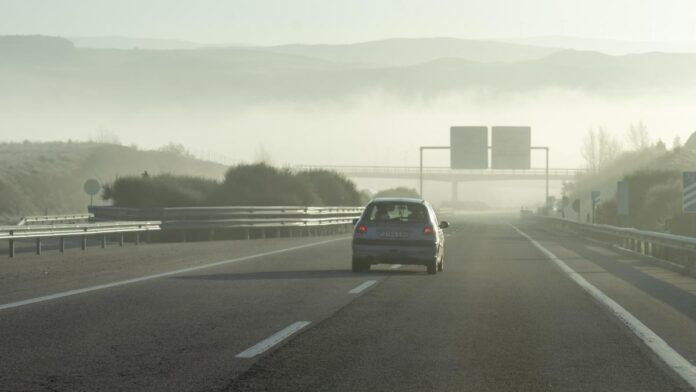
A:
259	221
84	230
55	219
674	248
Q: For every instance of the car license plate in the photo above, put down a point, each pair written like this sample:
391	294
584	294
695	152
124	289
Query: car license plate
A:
394	234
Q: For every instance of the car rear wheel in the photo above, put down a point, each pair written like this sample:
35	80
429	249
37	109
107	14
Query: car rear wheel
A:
360	266
432	267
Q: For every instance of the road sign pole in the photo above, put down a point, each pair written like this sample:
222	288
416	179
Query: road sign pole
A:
422	148
421	173
546	173
547	176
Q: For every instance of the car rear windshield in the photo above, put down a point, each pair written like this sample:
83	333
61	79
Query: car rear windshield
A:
396	212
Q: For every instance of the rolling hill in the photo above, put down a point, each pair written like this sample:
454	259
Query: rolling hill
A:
44	71
40	177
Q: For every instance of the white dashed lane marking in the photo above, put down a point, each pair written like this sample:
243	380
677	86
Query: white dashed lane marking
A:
272	340
362	287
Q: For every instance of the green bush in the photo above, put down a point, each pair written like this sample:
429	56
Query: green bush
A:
164	190
263	185
332	188
243	185
654	200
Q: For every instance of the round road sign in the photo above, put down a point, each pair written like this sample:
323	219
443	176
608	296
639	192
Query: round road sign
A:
92	187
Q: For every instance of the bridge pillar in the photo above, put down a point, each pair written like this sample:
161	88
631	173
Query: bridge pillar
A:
455	191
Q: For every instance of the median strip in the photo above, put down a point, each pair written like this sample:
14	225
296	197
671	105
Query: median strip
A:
672	358
362	287
272	340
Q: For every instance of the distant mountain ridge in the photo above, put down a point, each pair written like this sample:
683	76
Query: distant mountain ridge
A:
35	49
247	75
412	51
118	42
606	46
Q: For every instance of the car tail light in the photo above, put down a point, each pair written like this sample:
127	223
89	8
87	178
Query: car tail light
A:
427	230
361	229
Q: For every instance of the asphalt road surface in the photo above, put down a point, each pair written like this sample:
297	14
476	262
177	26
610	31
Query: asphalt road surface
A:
288	315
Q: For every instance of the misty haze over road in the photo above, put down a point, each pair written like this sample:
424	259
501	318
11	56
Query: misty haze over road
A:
236	100
311	195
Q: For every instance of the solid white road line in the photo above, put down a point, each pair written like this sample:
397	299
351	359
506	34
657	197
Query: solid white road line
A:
396	266
363	286
272	340
672	358
157	276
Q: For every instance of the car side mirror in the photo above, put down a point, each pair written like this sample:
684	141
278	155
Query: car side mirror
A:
355	221
444	224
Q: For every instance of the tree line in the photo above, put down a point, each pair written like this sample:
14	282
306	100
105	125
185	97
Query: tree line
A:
652	171
258	184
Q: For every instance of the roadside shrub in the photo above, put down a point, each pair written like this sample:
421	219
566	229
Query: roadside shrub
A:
263	185
243	185
163	190
332	188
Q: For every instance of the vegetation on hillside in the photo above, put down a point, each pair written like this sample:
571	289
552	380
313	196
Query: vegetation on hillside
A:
248	184
654	177
48	177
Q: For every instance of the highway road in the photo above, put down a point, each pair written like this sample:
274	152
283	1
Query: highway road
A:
518	308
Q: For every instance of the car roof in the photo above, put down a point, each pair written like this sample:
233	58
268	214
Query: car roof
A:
399	200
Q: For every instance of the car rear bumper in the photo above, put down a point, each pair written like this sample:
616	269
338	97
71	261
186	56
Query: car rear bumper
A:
395	254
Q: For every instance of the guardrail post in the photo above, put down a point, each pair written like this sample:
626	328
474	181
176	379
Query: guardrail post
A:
137	239
38	246
62	244
84	242
120	240
103	242
12	248
246	234
278	233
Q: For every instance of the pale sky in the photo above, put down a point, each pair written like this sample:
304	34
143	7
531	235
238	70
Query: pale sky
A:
341	21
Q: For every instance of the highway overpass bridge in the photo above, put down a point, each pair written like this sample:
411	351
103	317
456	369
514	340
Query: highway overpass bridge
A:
445	174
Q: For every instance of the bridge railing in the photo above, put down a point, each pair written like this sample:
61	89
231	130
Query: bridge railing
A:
80	230
439	170
677	249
